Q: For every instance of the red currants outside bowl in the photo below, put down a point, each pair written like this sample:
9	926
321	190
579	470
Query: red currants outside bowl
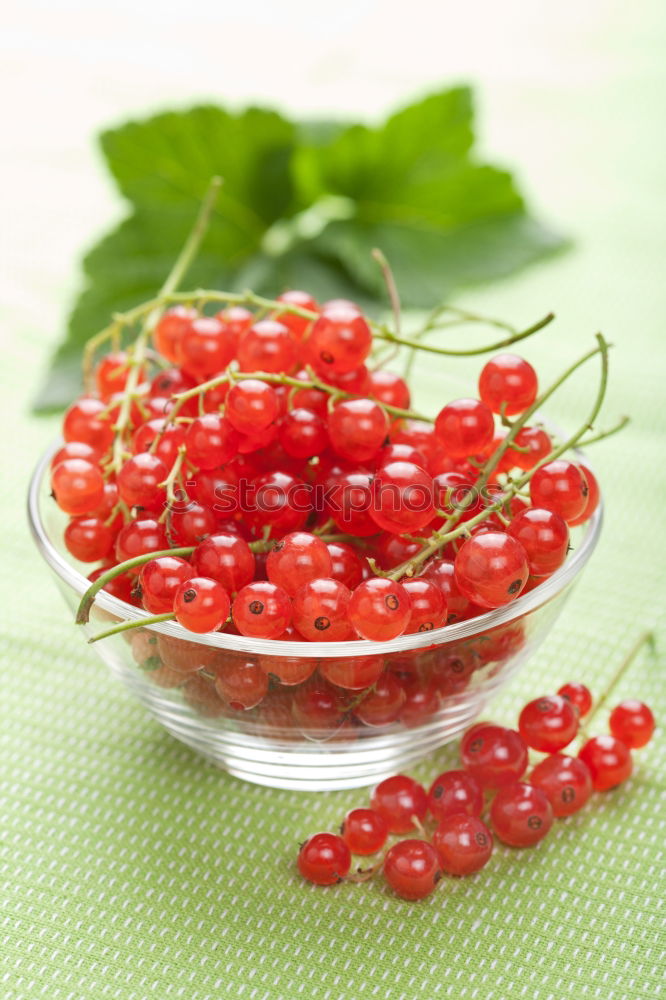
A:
310	715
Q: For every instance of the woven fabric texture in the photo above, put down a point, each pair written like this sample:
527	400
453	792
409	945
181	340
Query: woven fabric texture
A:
130	869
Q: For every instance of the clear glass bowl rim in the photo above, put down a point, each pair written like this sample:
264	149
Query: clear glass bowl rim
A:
320	650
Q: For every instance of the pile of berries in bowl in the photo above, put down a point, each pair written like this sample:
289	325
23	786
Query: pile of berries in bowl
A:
299	574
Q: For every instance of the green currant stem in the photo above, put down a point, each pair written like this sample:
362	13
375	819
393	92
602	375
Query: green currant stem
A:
83	612
602	435
462	316
172	478
470	352
175	276
391	286
127	626
645	638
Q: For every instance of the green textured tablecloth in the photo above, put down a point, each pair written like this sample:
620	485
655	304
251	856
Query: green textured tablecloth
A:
130	869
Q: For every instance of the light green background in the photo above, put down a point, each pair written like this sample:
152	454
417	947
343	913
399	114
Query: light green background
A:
128	868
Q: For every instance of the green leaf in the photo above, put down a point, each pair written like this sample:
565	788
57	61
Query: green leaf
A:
302	205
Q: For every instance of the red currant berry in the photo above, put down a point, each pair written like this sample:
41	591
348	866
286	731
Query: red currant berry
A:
549	723
463	843
324	859
493	755
201	604
402	498
340	340
277	501
390	389
579	696
88	420
318	709
532	444
77	485
76	449
593	497
303	433
141	479
345	564
170	438
111	374
170	329
237	319
380	609
242	684
427	604
170	381
297	559
262	610
211	441
508	384
308	398
268	346
442	573
159	580
348	503
394	549
544	536
455	792
206	347
251	405
190	526
566	782
298	325
632	722
140	537
353	383
226	558
88	539
465	427
609	761
401	453
384	702
560	486
320	610
521	814
412	868
491	569
354	674
398	800
357	428
364	831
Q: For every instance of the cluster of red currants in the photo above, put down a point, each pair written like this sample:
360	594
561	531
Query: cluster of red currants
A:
310	502
494	760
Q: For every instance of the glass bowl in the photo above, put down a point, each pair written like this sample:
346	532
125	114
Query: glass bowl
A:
309	731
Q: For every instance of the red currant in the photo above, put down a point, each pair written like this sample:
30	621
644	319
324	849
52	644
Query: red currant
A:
170	329
211	441
76	449
560	486
77	485
544	536
566	781
242	684
171	437
262	610
206	347
465	427
632	722
549	723
324	859
320	610
159	580
537	445
345	564
88	420
226	558
88	539
402	498
357	428
268	346
140	537
412	868
579	696
463	843
609	761
455	792
364	831
593	496
303	433
141	480
442	573
348	503
491	569
297	559
508	384
427	604
340	340
521	814
201	604
298	325
251	405
493	755
384	702
354	674
111	374
379	609
398	800
390	389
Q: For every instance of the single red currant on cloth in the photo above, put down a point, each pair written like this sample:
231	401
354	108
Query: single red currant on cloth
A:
324	859
364	831
549	723
632	722
493	755
455	792
379	609
398	800
412	869
491	569
579	695
201	604
609	761
566	781
521	814
464	844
